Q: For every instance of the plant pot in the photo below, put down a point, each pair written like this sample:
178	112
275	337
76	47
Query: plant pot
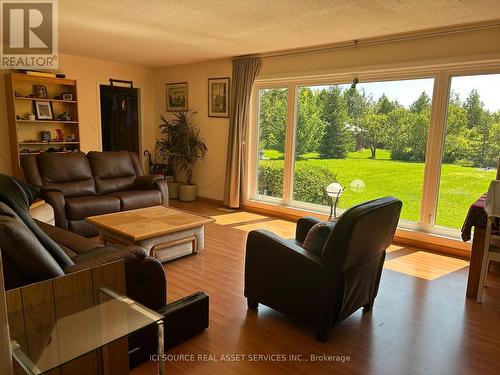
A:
173	190
187	193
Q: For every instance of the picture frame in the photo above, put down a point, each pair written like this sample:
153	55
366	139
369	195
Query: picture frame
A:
43	110
218	97
176	96
67	96
40	91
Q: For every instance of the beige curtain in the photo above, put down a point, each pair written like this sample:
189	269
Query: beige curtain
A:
244	72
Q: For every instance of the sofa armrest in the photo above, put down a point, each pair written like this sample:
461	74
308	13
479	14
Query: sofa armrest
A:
155	181
144	276
105	254
147	182
72	241
265	246
147	283
304	225
56	199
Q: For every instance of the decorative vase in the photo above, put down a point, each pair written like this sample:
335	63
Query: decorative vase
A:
173	190
187	193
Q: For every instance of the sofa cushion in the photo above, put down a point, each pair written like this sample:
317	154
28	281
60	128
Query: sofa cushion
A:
112	170
317	236
69	173
132	199
79	208
25	253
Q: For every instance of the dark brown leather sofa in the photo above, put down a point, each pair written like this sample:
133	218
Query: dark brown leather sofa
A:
33	251
322	289
78	185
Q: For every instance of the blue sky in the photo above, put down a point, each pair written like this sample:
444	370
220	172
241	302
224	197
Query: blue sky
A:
405	92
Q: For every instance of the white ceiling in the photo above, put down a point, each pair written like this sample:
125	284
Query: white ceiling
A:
170	32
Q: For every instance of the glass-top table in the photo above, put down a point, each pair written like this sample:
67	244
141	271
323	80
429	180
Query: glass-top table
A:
72	336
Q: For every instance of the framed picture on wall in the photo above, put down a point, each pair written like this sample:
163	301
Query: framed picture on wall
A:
43	110
218	97
177	96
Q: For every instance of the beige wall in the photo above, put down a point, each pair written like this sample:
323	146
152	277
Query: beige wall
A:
90	73
208	174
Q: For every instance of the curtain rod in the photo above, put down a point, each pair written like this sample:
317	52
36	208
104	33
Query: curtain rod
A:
380	40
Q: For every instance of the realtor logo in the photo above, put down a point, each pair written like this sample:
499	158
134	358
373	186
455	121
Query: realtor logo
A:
29	34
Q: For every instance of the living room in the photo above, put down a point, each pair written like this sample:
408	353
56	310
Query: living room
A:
377	124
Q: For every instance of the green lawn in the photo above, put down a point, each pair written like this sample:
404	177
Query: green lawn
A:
460	186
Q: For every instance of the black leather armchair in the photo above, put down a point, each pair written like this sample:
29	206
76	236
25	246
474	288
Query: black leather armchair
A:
322	289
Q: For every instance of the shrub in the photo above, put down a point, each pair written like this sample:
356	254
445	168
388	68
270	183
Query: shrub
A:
310	181
270	178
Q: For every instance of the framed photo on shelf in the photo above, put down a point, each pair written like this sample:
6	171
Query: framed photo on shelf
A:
218	97
40	91
177	96
43	110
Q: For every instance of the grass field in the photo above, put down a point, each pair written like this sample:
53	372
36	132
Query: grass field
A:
459	188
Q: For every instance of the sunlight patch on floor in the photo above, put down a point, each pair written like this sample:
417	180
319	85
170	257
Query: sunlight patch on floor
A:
392	248
282	228
425	265
238	217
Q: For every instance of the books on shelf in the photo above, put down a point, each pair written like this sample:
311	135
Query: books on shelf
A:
39	73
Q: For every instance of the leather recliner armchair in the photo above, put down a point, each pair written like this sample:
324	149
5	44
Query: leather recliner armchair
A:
322	289
78	186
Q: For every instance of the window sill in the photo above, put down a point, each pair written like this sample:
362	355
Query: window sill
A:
421	239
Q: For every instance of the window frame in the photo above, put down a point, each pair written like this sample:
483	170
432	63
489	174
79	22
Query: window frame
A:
442	75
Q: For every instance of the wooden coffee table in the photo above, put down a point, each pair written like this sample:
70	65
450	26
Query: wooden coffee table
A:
166	233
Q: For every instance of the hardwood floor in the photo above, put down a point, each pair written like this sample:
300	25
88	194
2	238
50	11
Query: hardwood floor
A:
419	325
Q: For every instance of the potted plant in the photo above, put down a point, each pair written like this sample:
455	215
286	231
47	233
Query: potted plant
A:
183	147
165	147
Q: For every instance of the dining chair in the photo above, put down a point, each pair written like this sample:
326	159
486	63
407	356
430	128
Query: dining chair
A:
492	239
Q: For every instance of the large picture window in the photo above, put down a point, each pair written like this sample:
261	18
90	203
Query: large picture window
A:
378	138
471	146
272	117
371	138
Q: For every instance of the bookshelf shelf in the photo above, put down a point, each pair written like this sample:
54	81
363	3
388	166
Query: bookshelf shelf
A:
48	143
46	121
18	89
46	100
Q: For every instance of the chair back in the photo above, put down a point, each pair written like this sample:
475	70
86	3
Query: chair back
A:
492	204
362	233
355	252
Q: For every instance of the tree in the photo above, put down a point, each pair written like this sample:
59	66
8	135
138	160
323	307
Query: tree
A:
358	104
337	141
407	134
456	142
272	116
480	121
373	128
423	103
474	107
384	106
310	127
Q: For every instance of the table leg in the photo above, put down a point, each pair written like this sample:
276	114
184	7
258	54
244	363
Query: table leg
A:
476	259
161	363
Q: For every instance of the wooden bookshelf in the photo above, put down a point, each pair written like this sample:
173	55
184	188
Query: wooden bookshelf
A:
25	135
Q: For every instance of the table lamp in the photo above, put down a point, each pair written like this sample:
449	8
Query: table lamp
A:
333	192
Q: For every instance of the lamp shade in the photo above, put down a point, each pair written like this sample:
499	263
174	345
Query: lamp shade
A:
334	189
